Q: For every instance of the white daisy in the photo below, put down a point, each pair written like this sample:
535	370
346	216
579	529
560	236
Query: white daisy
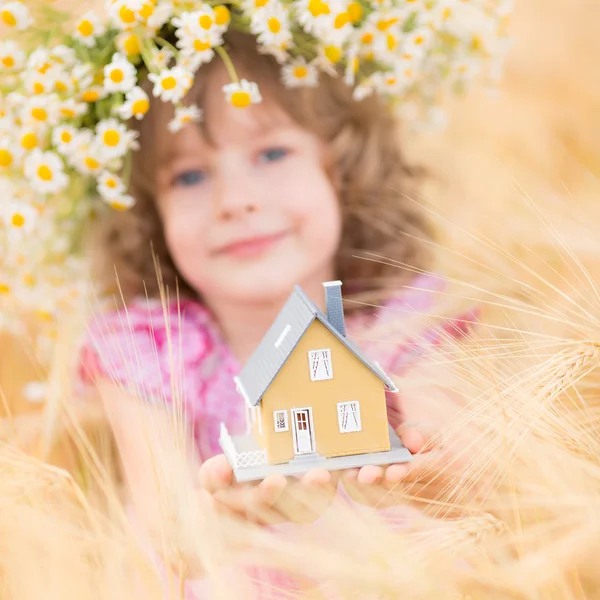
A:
87	156
137	104
64	138
88	29
271	25
114	138
71	109
242	94
44	171
300	74
124	202
183	116
28	139
19	217
15	15
63	55
203	23
160	58
129	44
126	14
110	186
120	75
12	58
9	152
195	48
40	111
171	85
417	42
161	14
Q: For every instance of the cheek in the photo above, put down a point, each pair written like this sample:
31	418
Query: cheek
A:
185	236
315	205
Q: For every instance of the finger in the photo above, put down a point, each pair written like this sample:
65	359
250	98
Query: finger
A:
316	478
270	489
216	474
413	439
395	473
350	475
370	475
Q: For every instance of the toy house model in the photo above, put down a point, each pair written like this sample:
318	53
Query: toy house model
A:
312	398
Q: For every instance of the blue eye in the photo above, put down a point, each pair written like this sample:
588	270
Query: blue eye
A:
189	178
273	154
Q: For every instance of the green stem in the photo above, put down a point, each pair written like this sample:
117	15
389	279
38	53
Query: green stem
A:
164	43
228	64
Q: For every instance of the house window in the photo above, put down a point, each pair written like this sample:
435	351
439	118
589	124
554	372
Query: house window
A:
349	416
319	362
281	420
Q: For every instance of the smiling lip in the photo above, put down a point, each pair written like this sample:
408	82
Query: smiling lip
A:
252	246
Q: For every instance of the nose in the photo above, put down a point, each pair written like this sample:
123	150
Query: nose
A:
235	197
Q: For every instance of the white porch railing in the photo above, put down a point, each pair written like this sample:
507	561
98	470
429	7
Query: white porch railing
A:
240	460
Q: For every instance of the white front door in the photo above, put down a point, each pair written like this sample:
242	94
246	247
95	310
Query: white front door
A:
303	431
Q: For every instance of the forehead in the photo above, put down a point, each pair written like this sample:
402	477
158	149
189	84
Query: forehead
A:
222	124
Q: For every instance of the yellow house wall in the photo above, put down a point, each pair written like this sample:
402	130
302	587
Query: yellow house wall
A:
293	388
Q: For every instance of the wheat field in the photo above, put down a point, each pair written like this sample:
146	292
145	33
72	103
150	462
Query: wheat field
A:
514	512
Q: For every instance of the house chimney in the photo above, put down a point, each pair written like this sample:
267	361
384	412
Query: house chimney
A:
333	302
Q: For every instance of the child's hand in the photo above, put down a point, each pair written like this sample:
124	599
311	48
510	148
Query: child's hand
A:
417	424
276	499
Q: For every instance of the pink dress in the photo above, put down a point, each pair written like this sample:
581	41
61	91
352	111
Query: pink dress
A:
143	346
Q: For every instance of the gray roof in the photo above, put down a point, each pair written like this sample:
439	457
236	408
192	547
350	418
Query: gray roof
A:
279	342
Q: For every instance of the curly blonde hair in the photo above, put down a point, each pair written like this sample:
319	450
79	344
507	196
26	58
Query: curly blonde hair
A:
371	178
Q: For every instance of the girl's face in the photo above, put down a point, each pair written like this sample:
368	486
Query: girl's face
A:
252	213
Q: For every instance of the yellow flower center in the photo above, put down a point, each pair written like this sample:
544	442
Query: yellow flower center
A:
29	141
66	137
67	112
341	20
112	138
355	12
44	173
367	38
29	280
201	46
117	76
169	83
260	3
4	289
240	99
318	7
111	183
91	163
85	28
333	53
419	40
38	88
446	14
477	43
8	62
6	158
8	18
44	68
39	114
300	72
61	86
17	220
140	107
222	15
131	46
126	15
274	25
205	21
147	10
90	96
392	42
390	81
118	205
385	24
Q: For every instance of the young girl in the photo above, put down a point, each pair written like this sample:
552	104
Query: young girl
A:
234	212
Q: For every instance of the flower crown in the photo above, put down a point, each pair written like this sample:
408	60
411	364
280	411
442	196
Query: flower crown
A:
67	94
